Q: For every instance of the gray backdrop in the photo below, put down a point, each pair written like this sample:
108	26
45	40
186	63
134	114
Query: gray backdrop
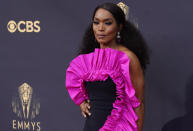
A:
40	59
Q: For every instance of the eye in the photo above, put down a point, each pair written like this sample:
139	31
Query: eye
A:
95	22
108	23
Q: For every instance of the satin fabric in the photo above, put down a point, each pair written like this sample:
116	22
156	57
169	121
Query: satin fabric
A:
98	65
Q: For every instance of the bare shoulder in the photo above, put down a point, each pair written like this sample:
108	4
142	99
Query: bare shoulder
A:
129	53
134	61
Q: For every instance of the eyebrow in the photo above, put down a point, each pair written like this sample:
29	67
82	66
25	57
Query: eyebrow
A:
104	19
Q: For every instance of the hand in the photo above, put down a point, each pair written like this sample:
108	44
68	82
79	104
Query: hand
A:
84	107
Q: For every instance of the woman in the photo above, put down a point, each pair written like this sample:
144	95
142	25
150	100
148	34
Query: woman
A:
106	79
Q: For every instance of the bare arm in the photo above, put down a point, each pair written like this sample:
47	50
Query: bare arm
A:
137	78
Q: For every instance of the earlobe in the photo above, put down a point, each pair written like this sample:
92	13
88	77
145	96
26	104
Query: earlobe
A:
120	27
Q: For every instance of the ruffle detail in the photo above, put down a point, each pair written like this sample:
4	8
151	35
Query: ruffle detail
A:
98	65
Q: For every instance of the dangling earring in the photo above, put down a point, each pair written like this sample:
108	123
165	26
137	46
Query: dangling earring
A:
118	37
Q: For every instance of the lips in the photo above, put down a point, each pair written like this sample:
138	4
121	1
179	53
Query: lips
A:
100	36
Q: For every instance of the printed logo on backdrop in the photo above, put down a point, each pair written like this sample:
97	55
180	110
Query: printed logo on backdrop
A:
26	108
23	26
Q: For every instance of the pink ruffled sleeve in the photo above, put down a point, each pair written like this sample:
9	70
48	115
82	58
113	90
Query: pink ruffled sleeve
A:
129	89
74	83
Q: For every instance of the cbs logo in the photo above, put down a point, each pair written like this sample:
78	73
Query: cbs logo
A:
23	26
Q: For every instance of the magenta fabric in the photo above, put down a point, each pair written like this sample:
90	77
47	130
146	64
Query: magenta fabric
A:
98	65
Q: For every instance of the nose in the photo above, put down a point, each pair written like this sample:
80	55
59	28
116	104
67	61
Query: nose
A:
101	27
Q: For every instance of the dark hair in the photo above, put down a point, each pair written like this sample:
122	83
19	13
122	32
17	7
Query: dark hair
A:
130	35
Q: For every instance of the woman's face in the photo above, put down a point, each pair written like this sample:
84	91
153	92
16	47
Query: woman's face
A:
104	26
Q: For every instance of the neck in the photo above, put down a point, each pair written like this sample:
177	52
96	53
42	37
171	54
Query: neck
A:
112	45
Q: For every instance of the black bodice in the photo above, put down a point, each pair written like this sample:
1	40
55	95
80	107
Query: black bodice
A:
101	94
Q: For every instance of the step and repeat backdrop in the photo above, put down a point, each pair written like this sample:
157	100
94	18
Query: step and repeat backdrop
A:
38	39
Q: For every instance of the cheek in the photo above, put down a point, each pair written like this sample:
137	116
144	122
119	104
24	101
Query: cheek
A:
111	31
94	29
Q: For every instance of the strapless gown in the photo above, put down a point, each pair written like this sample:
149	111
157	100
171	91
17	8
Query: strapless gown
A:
94	76
101	94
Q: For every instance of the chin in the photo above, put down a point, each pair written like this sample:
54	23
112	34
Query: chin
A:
103	41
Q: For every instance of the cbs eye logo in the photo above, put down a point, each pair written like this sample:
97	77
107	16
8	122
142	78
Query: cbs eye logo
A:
23	26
